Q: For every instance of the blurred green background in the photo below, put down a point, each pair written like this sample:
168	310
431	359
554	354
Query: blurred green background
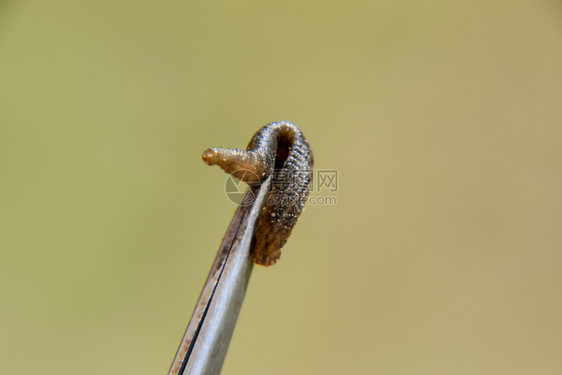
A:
443	119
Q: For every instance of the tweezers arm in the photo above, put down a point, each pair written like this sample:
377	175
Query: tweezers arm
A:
207	337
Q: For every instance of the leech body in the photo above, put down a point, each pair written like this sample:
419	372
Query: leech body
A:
279	148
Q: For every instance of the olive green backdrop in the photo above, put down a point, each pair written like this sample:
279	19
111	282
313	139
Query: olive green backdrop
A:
443	120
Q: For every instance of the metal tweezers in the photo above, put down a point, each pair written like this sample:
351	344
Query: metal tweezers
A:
207	337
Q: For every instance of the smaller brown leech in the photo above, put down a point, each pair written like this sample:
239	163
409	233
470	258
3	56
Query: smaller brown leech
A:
280	149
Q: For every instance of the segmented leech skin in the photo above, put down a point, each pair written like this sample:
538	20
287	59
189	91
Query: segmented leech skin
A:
279	148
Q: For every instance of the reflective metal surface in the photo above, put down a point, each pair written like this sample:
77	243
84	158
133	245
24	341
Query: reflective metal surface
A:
207	337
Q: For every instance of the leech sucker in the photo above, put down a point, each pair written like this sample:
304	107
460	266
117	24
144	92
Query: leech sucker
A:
280	149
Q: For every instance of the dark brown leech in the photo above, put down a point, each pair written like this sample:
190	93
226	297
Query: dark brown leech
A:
279	148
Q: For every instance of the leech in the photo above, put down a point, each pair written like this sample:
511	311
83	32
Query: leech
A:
280	149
